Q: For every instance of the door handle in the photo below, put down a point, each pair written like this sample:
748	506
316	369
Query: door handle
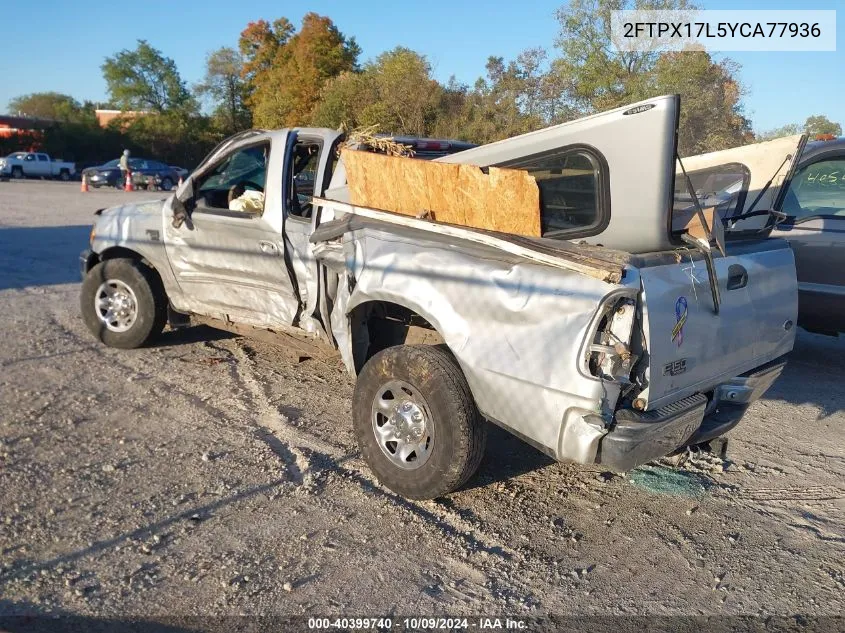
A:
737	277
268	247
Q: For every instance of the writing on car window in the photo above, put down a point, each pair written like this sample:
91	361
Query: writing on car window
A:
817	189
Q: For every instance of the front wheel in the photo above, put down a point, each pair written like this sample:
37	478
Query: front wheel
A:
123	303
17	172
416	421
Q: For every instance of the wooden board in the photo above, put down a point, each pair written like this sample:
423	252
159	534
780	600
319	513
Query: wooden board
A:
505	200
689	221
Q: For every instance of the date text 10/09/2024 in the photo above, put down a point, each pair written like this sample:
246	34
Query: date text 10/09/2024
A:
418	624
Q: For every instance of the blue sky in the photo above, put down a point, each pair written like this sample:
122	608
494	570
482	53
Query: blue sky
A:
58	45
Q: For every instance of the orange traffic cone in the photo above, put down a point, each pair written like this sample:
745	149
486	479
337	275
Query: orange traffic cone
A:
127	186
84	187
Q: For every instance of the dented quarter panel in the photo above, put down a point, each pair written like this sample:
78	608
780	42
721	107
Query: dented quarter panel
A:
517	328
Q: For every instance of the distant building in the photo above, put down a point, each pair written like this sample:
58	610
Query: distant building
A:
22	133
14	125
104	117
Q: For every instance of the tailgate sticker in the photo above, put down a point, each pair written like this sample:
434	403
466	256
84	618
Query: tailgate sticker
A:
681	320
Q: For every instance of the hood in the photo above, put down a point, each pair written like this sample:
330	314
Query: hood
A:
127	211
740	180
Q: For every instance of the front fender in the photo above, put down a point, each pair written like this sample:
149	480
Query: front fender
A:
136	228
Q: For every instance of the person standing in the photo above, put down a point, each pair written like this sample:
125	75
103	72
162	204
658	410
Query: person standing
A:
124	167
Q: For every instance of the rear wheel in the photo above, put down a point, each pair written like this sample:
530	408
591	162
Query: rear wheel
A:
166	184
416	422
64	175
123	303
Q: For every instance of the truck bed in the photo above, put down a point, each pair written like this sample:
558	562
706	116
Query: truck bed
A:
596	261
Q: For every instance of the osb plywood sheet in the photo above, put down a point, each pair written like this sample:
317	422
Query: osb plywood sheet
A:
505	200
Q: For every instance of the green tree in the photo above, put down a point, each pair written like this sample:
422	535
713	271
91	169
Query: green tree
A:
144	79
820	125
817	125
286	71
514	98
395	91
225	86
789	129
170	137
52	105
711	108
599	77
342	101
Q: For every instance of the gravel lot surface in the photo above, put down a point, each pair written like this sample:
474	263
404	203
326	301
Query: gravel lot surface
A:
213	474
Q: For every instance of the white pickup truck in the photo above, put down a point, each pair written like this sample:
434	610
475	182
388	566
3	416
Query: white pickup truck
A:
35	165
614	339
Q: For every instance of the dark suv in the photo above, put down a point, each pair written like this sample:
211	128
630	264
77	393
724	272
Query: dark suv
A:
814	205
109	174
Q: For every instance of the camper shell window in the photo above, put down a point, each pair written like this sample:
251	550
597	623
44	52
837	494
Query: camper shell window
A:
574	190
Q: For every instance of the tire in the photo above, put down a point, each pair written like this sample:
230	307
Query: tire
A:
429	383
64	175
146	295
166	184
17	172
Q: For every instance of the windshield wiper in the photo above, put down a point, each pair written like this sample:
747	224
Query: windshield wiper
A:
775	217
778	216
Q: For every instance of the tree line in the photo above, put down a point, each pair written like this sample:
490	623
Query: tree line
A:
279	75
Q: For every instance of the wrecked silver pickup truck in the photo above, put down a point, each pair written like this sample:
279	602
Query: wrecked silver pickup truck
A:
615	338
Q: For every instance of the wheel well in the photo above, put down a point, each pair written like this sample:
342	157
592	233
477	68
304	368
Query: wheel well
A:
377	325
120	252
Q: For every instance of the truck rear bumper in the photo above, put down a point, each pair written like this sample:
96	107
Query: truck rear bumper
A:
639	437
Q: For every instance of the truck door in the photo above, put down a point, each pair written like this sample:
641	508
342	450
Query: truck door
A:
30	165
308	169
229	257
42	165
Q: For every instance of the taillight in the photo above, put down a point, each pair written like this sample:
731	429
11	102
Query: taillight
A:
608	354
431	145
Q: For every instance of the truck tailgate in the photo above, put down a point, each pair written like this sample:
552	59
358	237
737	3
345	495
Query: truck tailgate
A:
692	349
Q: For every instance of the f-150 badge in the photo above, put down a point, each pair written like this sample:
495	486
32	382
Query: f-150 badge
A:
681	320
675	367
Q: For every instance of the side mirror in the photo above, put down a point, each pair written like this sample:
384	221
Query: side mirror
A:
183	203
